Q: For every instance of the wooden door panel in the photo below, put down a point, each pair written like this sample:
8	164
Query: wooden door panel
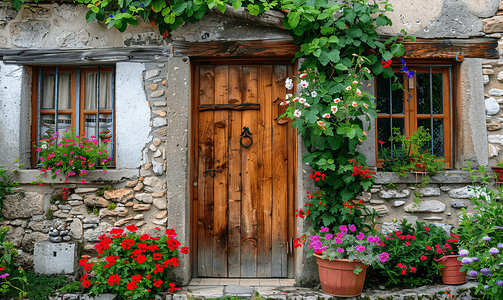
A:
235	128
205	189
243	213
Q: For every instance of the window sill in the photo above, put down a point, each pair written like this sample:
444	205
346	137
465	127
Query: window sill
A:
448	177
93	176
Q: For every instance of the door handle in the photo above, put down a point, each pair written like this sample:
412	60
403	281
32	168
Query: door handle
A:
212	174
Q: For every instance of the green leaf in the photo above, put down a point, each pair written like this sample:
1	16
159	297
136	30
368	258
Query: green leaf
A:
387	55
293	19
334	55
317	52
382	20
166	11
132	21
323	16
397	49
255	10
323	57
158	5
179	8
341	67
237	4
90	16
333	39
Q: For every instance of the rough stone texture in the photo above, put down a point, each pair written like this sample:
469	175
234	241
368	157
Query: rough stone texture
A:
131	97
85	190
151	38
157	94
77	39
380	209
76	229
398	203
91	235
78	210
425	206
144	197
153	184
7	13
388	227
495	92
365	196
118	212
493	150
160	203
50	258
93	200
31	34
446	227
123	222
390	194
487	72
121	195
30	239
429	191
23	205
492	106
485	79
463	193
140	207
157	168
494	24
456	203
15	235
159	122
67	11
493	127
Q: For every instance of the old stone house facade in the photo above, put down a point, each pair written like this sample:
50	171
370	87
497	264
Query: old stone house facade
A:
162	100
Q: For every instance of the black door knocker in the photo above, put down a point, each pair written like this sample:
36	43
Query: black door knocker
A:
246	134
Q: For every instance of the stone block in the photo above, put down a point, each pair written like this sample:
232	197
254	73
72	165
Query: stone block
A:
50	258
85	190
465	193
30	239
429	192
144	197
239	291
160	203
76	39
426	206
7	13
492	106
159	122
390	194
95	201
23	205
121	195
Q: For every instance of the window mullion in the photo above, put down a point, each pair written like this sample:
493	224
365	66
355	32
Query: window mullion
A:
112	141
450	118
391	113
97	103
39	100
77	105
431	110
56	82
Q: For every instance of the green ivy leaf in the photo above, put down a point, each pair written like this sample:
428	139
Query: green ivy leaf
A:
255	10
293	19
387	55
91	15
237	4
397	49
323	57
341	67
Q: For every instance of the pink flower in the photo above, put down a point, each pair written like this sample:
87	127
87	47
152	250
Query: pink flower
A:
352	228
383	256
360	248
104	171
340	250
360	236
343	228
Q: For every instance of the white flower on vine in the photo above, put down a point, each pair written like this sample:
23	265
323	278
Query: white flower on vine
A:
326	116
289	83
285	102
288	96
358	92
367	69
334	109
321	124
365	105
354	104
297	113
337	100
307	104
355	82
314	94
348	88
302	100
304	84
302	75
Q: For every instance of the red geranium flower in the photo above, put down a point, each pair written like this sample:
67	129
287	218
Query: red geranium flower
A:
184	250
131	228
127	244
131	286
172	287
423	257
170	232
140	259
427	229
136	278
413	269
428	248
144	237
157	256
157	283
439	250
114	279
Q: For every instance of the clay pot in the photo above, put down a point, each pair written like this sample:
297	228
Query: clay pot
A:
450	273
338	279
499	174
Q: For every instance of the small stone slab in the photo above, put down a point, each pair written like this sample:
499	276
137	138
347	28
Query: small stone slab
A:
144	197
159	122
85	190
429	192
462	193
492	106
121	195
238	291
94	201
458	204
390	194
157	94
398	203
433	206
117	212
380	209
496	92
22	205
152	73
160	203
434	218
138	207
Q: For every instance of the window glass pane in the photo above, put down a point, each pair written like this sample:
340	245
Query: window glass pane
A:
48	81
423	93
383	97
105	90
64	121
64	91
437	135
90	91
46	126
384	131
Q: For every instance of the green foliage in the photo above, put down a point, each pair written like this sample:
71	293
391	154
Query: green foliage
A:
93	210
72	288
13	282
412	154
482	236
112	206
7	186
101	192
41	286
134	266
49	214
410	262
71	154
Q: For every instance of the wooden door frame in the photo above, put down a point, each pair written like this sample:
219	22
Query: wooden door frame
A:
194	124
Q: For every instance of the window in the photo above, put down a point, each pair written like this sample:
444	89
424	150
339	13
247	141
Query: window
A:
81	97
427	102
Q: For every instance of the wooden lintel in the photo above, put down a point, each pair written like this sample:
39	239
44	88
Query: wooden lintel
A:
89	56
452	48
270	18
243	106
260	48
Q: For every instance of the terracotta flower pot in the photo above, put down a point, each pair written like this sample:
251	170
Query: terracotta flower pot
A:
450	273
338	279
499	174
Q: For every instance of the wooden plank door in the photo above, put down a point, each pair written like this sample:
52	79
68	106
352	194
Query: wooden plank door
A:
243	197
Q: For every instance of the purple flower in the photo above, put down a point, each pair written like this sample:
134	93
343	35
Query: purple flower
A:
499	227
500	245
360	236
142	5
485	271
486	239
494	251
463	252
352	227
499	282
324	229
329	236
475	258
370	239
486	287
466	260
343	228
4	275
360	248
410	74
340	250
472	273
383	256
376	239
340	234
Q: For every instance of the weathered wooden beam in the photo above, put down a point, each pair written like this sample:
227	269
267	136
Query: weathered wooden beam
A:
270	18
452	48
222	49
84	56
242	106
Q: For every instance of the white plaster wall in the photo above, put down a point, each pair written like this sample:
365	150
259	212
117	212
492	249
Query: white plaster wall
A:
132	115
15	118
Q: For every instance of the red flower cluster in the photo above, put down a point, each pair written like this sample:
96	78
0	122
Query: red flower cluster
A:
317	176
85	283
87	266
404	269
386	63
114	279
300	213
351	206
363	171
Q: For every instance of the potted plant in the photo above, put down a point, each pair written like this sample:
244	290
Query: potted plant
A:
447	257
71	154
344	257
498	172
